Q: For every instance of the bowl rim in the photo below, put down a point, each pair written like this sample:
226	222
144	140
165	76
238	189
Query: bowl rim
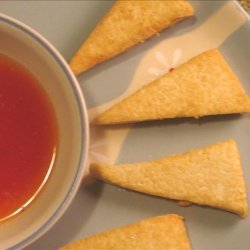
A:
62	207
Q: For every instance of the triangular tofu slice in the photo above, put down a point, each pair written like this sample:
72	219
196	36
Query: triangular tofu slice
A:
209	176
162	232
125	25
205	85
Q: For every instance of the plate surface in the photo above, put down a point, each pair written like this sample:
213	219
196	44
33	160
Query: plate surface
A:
99	206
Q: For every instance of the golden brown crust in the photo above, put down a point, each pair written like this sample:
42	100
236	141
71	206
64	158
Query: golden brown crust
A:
125	25
205	85
209	176
162	232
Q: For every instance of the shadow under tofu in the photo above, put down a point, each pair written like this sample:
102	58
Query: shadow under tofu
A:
174	121
130	200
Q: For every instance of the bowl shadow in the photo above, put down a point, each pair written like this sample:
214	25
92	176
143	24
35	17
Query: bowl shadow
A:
74	219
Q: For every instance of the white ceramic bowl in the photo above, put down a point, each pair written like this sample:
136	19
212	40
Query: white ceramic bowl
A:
26	46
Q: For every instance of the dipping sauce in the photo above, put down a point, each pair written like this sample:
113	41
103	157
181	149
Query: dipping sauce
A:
28	137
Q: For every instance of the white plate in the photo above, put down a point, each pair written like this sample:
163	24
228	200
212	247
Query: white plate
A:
99	206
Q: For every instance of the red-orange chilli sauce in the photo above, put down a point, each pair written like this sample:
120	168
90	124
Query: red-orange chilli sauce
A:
28	137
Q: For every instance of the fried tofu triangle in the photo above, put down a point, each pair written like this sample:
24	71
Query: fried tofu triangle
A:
162	232
210	176
125	25
205	85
